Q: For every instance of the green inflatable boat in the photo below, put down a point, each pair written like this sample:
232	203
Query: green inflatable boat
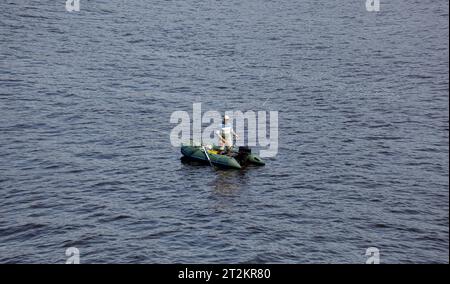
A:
236	159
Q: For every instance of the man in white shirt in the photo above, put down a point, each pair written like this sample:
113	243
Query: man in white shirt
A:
226	134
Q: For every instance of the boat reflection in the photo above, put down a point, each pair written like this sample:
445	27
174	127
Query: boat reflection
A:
224	182
228	182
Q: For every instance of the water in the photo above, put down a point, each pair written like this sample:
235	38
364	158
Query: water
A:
85	158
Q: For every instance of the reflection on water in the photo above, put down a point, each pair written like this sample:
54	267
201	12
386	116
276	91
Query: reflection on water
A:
228	182
222	181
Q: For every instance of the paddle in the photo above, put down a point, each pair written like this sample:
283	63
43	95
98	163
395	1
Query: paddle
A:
207	156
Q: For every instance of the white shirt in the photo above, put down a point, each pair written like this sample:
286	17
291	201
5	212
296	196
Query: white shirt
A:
226	132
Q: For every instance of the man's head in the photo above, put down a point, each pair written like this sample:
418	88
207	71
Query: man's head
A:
226	119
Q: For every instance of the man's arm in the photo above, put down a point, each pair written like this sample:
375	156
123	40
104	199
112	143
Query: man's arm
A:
220	137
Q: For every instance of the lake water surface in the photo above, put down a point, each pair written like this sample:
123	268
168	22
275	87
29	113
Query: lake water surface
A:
86	160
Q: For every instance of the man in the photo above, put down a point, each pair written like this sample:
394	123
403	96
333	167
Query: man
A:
226	134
